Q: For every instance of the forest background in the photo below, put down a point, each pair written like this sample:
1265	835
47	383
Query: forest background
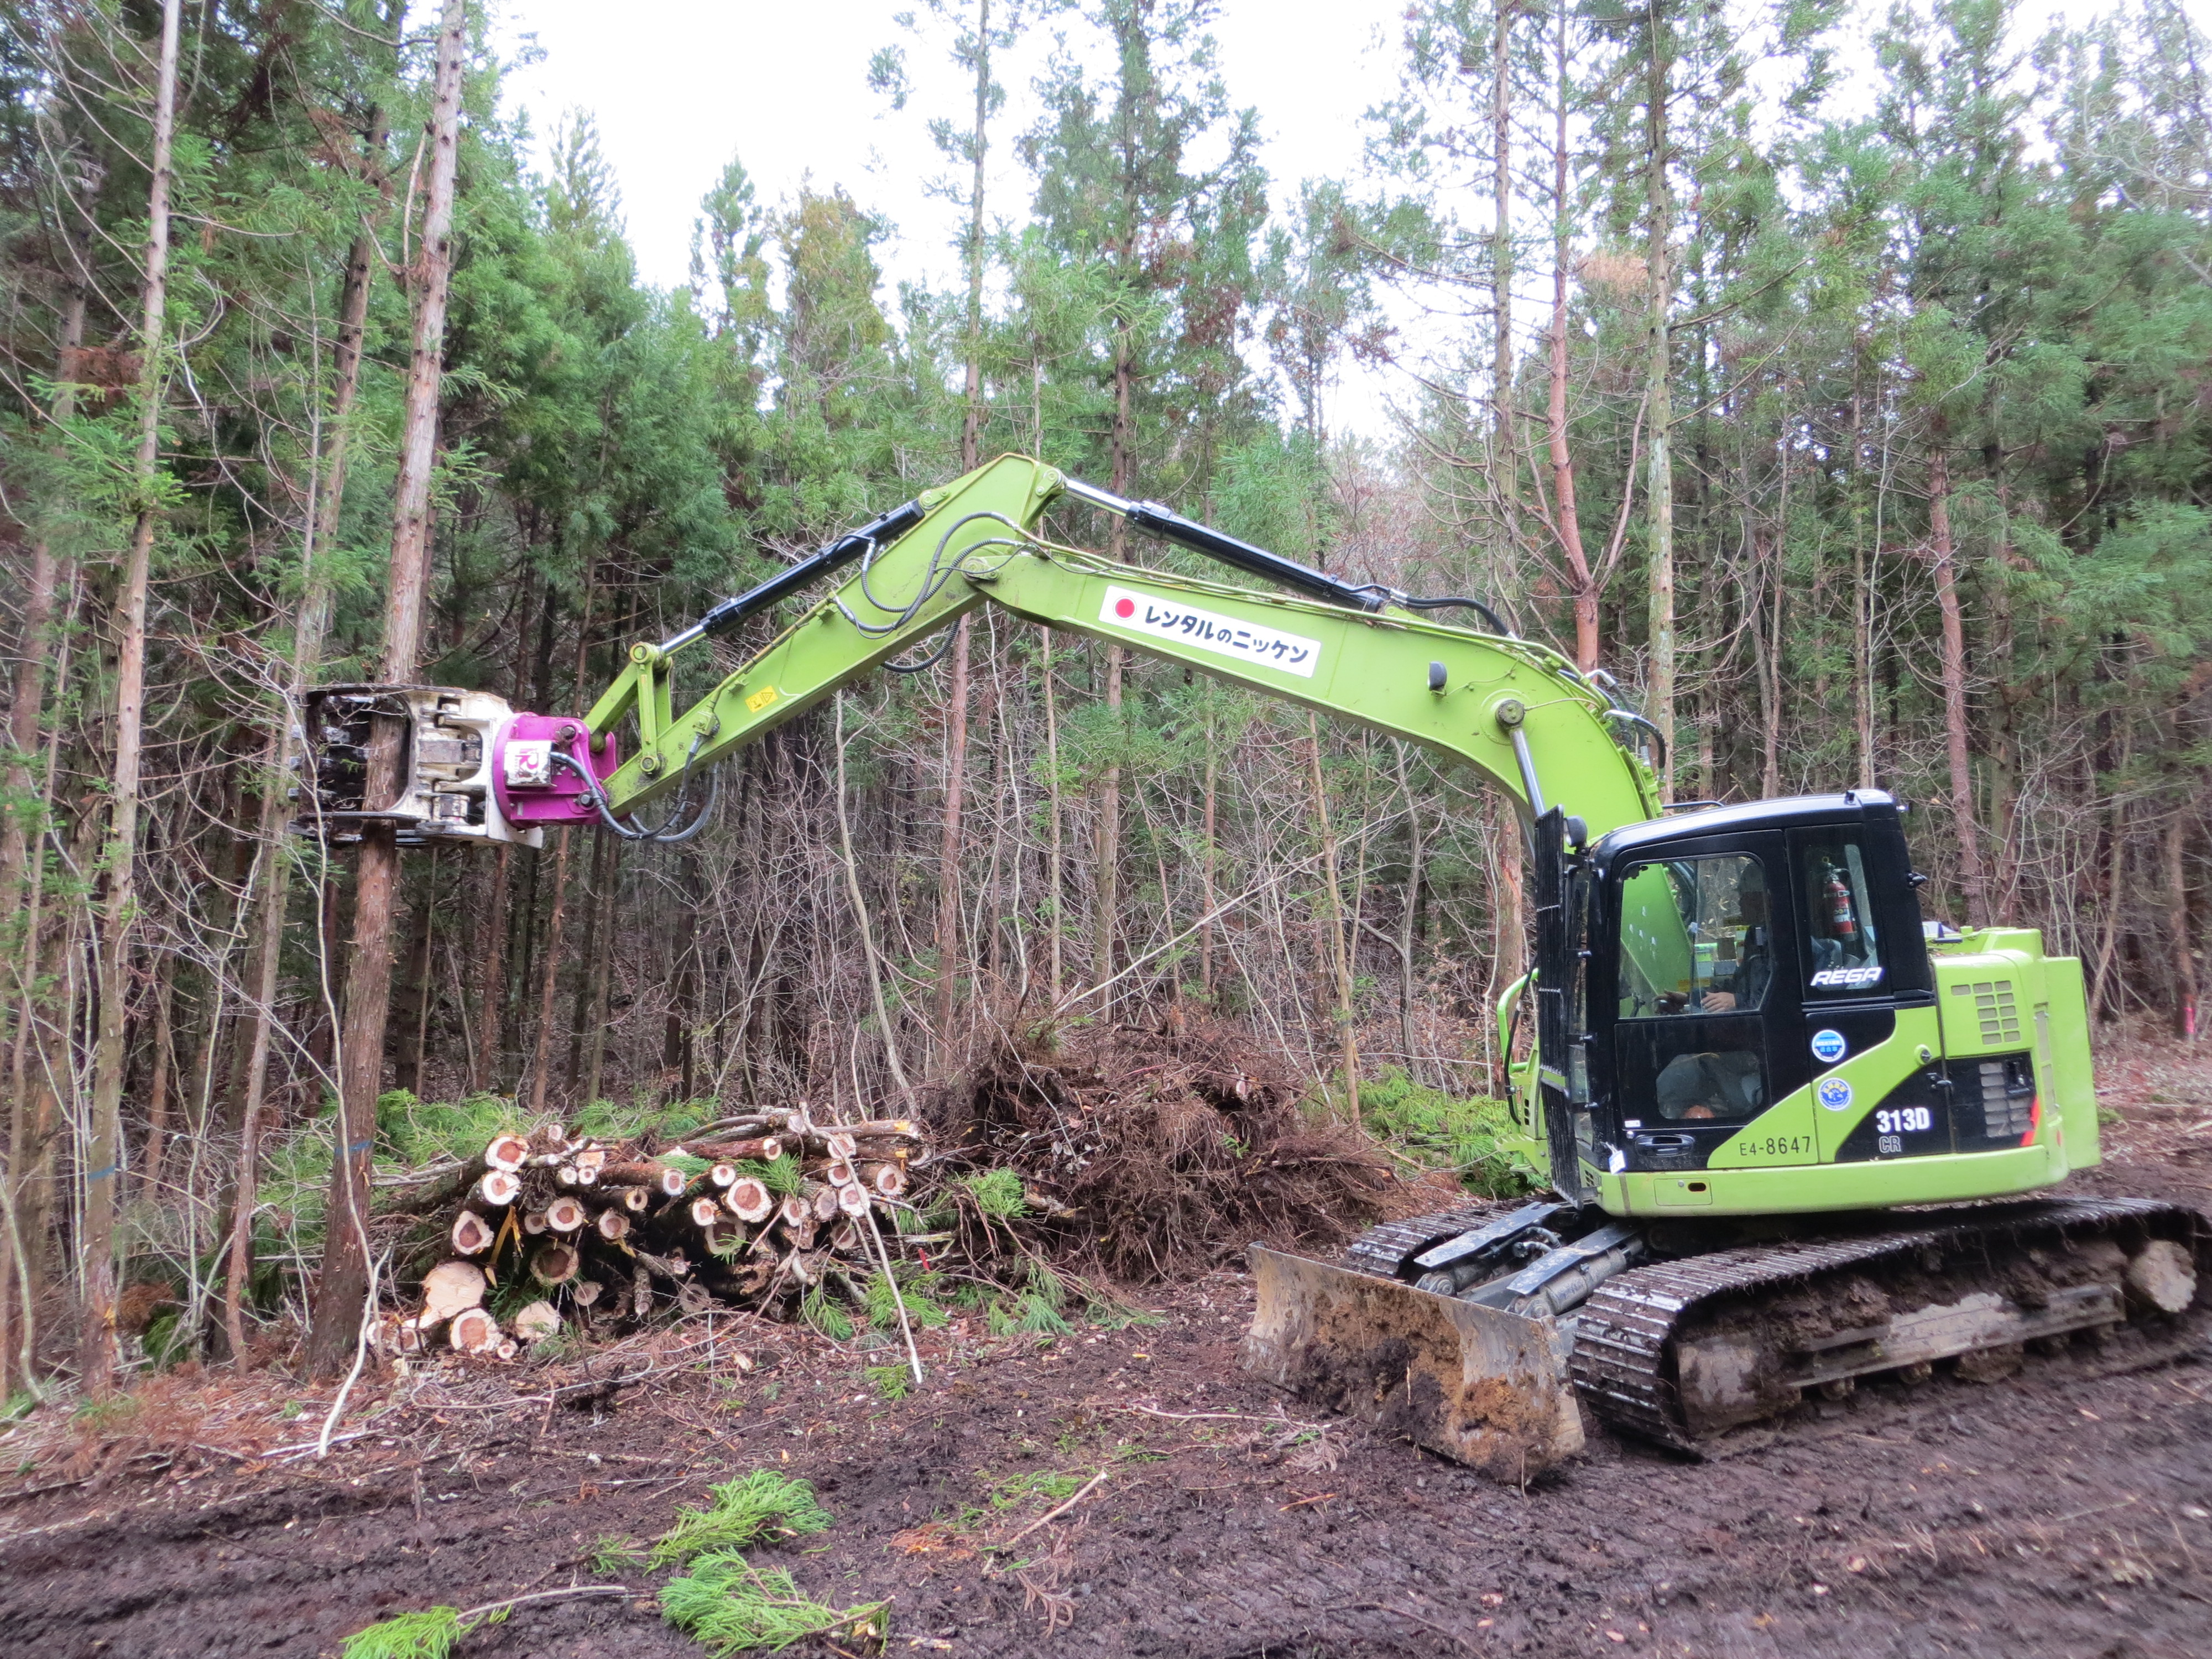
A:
1863	438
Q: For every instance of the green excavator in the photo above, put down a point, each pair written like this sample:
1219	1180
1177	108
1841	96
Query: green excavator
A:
1787	1126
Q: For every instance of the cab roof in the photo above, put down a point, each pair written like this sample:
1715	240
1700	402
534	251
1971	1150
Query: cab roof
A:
1852	806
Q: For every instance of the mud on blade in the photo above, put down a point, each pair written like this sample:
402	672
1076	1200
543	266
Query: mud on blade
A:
1487	1388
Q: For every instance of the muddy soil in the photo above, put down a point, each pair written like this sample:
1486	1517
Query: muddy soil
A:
2065	1511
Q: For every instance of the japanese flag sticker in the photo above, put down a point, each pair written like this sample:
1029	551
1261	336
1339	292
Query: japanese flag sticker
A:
1835	1094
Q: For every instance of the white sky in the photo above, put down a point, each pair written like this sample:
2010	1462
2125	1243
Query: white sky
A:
678	86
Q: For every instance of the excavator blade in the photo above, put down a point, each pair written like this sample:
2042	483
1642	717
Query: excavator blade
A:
1487	1389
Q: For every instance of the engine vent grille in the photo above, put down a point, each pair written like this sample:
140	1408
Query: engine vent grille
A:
2008	1101
1996	1010
1993	1102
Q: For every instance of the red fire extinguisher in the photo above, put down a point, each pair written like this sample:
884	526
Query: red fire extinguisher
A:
1843	920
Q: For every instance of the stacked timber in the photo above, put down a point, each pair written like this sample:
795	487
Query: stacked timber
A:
755	1210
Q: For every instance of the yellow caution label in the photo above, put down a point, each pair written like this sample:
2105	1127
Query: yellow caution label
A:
762	698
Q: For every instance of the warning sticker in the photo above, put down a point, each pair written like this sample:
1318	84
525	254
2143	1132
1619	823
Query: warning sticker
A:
1209	630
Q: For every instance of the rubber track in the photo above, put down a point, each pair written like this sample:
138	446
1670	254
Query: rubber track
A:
1623	1358
1382	1250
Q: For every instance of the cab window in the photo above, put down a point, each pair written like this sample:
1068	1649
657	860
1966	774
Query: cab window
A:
1843	947
1695	937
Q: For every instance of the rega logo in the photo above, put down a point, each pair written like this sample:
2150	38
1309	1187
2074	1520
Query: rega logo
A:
1846	979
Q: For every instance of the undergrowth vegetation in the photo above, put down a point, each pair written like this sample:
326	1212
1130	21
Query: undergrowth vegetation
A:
719	1599
728	1606
1447	1132
760	1506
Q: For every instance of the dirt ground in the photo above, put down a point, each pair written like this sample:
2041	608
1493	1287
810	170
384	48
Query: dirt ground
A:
2067	1511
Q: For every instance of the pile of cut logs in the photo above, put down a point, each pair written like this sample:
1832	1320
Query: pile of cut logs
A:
778	1206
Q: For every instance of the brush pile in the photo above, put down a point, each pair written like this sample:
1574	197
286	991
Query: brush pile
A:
542	1229
1150	1155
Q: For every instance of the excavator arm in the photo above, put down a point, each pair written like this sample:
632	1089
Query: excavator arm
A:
1514	710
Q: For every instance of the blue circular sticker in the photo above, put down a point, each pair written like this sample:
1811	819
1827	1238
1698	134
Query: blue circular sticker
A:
1829	1047
1835	1093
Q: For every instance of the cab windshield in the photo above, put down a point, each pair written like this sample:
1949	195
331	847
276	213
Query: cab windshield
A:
1694	937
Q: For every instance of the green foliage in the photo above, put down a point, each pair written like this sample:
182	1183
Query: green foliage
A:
1053	1486
1027	1311
782	1176
416	1132
998	1193
1448	1133
614	1553
680	1118
825	1315
728	1607
429	1633
922	1308
762	1505
890	1382
688	1163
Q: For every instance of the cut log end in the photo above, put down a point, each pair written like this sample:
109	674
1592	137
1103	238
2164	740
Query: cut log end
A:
853	1200
506	1152
500	1188
536	1322
566	1215
584	1292
840	1172
723	1175
534	1222
472	1235
555	1264
473	1331
750	1199
636	1199
887	1179
705	1212
612	1224
448	1288
839	1143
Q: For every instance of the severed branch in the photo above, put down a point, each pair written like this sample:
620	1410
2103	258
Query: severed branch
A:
1054	1513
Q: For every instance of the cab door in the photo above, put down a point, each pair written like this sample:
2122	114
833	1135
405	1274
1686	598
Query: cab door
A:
1702	981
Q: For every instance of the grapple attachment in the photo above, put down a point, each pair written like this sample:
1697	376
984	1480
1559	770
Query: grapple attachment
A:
469	767
1477	1384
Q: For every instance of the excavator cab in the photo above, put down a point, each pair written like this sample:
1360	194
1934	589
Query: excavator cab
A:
1710	967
